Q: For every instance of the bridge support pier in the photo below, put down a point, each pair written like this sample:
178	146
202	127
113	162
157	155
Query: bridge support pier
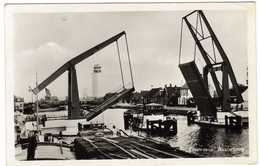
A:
225	84
73	95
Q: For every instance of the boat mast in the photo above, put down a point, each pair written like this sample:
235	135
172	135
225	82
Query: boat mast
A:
37	104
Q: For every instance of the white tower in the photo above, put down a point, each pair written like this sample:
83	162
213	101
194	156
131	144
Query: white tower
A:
95	87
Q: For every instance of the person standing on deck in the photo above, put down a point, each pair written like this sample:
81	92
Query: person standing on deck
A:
24	134
114	130
33	140
44	119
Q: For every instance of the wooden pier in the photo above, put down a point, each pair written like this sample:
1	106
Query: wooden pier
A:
228	120
152	124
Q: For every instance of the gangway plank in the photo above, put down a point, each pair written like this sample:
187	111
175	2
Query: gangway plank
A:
198	89
109	102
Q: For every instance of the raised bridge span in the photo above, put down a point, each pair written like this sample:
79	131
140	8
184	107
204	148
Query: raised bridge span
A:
74	111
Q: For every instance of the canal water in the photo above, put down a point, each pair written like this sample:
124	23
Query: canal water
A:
205	141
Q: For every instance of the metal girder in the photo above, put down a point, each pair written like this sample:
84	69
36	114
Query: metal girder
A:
73	95
75	61
224	57
205	56
226	93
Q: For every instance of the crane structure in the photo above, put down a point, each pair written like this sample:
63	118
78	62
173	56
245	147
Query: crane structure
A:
74	111
215	60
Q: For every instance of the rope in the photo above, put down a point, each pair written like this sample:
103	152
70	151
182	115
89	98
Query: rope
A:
180	42
129	60
120	64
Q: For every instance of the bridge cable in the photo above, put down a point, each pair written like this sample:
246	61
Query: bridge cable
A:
129	61
180	42
120	64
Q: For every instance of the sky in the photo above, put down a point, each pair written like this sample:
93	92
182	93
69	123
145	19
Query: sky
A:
45	41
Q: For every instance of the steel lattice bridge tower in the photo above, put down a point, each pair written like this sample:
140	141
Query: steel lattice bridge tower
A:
74	111
216	60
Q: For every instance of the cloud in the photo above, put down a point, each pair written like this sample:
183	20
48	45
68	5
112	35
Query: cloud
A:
44	60
43	42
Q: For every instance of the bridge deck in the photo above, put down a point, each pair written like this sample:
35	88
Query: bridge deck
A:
198	89
101	108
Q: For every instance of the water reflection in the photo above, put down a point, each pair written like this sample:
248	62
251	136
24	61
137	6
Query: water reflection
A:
205	141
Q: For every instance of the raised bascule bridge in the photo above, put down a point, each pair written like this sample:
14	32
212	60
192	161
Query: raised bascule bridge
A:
216	63
95	141
74	110
95	144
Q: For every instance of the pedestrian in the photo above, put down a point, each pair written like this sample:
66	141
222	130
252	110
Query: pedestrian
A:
24	137
115	131
60	143
33	140
79	127
241	107
32	126
60	134
43	121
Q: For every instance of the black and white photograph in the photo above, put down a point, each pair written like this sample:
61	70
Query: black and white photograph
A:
130	81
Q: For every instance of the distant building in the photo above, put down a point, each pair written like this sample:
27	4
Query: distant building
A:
185	94
136	98
171	95
49	98
155	95
18	103
49	101
29	108
144	96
